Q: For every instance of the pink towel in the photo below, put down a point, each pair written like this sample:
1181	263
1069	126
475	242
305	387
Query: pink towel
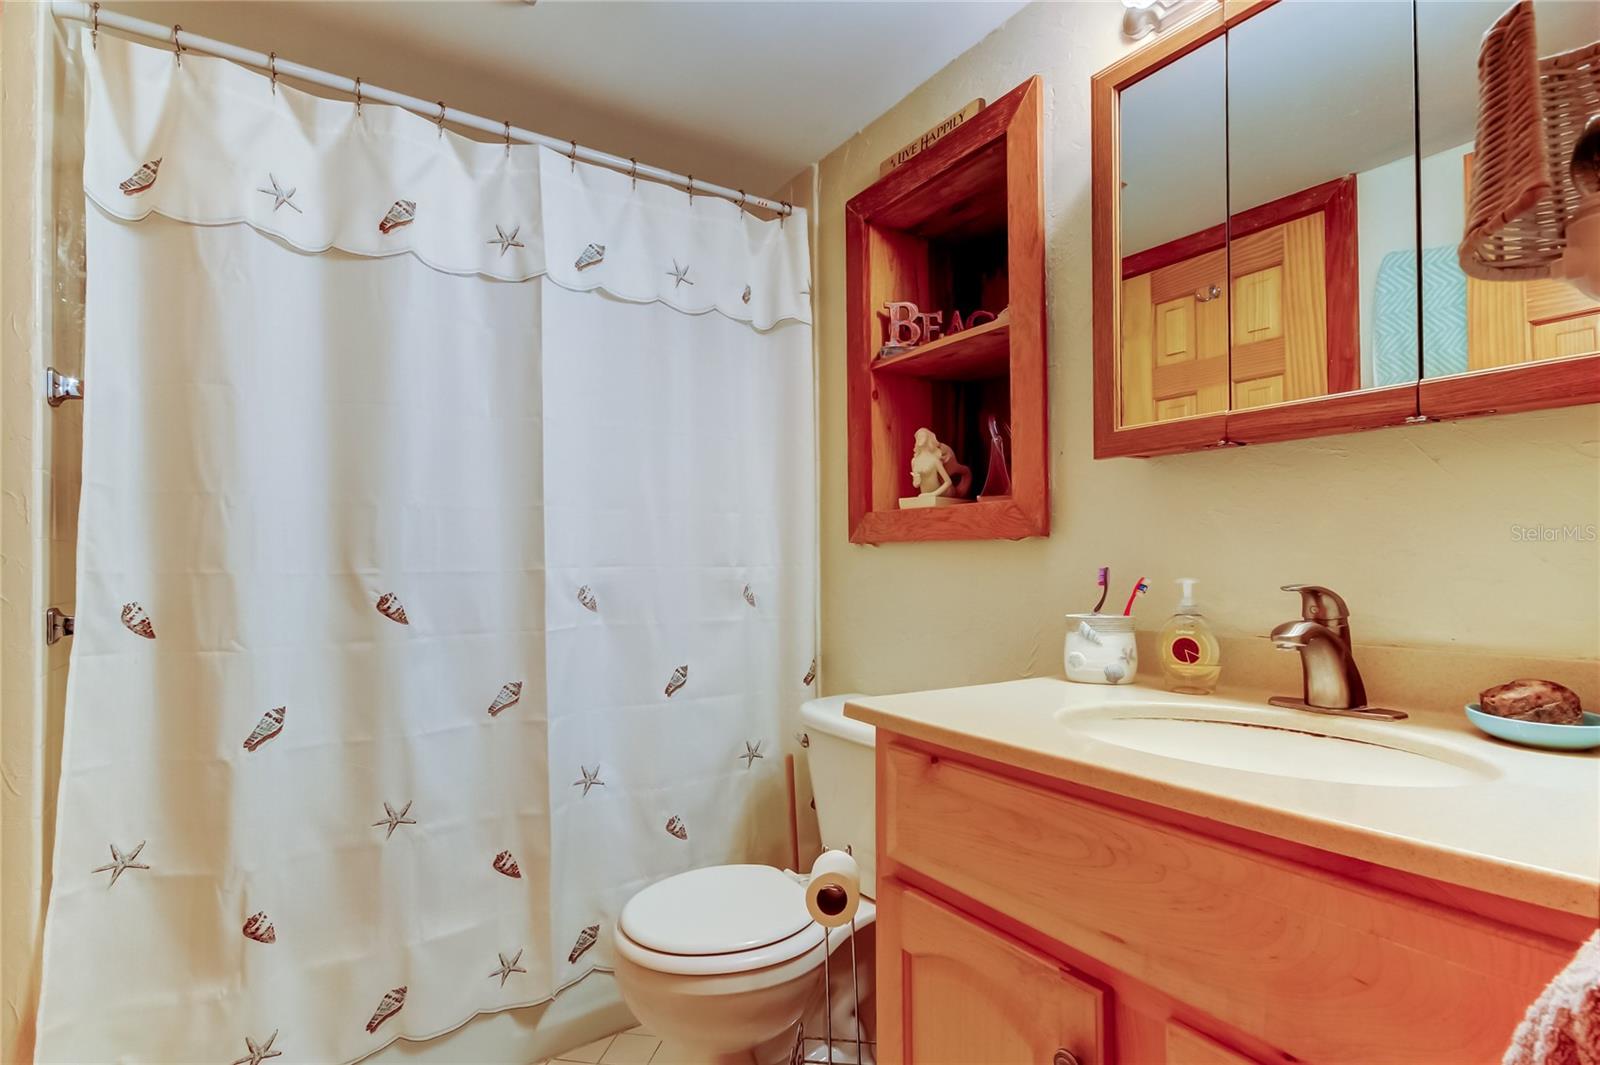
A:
1562	1026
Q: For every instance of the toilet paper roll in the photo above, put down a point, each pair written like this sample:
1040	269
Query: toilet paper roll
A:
834	893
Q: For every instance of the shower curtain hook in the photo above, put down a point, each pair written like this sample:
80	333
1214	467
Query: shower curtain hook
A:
633	172
272	68
358	97
572	156
784	213
741	201
177	48
94	25
440	120
691	190
508	138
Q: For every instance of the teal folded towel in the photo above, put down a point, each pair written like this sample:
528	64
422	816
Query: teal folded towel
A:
1394	317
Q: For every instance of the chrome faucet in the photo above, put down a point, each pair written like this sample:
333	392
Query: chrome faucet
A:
1332	683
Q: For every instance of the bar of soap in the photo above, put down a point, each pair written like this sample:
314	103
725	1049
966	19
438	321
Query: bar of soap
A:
1543	701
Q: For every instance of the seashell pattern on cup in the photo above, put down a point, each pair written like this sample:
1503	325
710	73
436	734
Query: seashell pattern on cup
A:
259	928
388	1006
142	178
389	606
137	621
510	694
586	939
270	725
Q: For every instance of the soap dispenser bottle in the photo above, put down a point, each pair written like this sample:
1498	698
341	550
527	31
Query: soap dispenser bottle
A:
1191	661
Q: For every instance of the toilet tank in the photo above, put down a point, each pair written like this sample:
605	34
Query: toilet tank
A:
839	752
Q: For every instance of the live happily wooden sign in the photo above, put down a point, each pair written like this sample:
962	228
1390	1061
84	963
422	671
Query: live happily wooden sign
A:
930	138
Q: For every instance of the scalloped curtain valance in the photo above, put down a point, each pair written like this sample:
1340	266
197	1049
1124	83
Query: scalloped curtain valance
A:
212	143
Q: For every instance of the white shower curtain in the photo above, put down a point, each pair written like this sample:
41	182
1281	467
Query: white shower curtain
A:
446	568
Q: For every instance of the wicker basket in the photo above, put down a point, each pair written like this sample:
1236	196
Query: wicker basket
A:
1531	112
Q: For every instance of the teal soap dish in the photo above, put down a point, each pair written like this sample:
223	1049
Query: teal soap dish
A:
1584	737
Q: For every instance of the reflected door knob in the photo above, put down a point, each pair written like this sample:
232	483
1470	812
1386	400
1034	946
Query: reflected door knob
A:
1064	1057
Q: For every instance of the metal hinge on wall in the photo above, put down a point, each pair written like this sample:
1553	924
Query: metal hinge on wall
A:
57	625
59	387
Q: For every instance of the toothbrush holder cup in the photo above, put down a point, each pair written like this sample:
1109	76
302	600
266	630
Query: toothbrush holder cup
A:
1100	649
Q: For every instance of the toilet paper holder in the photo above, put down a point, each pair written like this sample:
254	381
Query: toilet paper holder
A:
833	895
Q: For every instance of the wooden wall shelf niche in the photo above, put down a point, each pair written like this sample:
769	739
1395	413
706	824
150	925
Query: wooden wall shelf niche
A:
959	227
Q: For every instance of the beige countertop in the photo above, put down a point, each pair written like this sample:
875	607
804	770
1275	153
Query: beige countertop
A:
1479	813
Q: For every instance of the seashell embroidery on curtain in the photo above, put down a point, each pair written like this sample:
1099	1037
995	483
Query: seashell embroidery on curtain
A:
388	1006
270	725
402	213
389	606
137	621
142	178
510	694
586	939
259	928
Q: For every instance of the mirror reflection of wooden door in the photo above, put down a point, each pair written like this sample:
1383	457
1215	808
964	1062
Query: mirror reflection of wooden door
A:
1175	341
1286	287
1280	334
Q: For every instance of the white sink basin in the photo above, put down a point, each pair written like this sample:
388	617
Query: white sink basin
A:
1269	741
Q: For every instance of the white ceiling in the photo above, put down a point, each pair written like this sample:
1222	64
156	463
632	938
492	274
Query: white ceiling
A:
742	93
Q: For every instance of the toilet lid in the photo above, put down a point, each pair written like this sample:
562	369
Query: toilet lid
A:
722	909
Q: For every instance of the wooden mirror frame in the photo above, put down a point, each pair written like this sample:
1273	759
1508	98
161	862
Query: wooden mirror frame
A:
1549	383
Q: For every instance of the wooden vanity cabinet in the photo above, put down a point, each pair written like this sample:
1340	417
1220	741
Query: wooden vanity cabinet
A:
1024	919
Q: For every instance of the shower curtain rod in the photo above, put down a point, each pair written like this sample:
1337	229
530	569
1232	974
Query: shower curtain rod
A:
80	11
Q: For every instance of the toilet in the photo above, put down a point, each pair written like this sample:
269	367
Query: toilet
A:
725	961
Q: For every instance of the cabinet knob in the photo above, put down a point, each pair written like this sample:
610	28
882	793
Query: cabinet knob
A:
1064	1057
1207	294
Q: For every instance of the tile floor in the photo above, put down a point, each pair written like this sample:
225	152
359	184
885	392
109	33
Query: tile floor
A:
636	1046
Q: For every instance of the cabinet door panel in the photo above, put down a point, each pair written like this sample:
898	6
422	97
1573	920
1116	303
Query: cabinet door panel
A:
968	994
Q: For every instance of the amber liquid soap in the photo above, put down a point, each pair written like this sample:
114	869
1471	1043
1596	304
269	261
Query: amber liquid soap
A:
1191	661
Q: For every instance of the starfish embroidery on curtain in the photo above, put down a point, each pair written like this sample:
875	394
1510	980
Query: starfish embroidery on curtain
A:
261	1053
507	241
394	820
591	779
679	275
752	751
507	968
120	862
281	197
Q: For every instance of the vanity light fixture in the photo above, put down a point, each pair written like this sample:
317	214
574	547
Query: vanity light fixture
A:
1140	18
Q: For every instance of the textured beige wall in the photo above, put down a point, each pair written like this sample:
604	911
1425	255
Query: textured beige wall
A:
38	501
1413	525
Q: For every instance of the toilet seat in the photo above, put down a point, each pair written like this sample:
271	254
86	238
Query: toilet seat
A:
721	909
715	918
